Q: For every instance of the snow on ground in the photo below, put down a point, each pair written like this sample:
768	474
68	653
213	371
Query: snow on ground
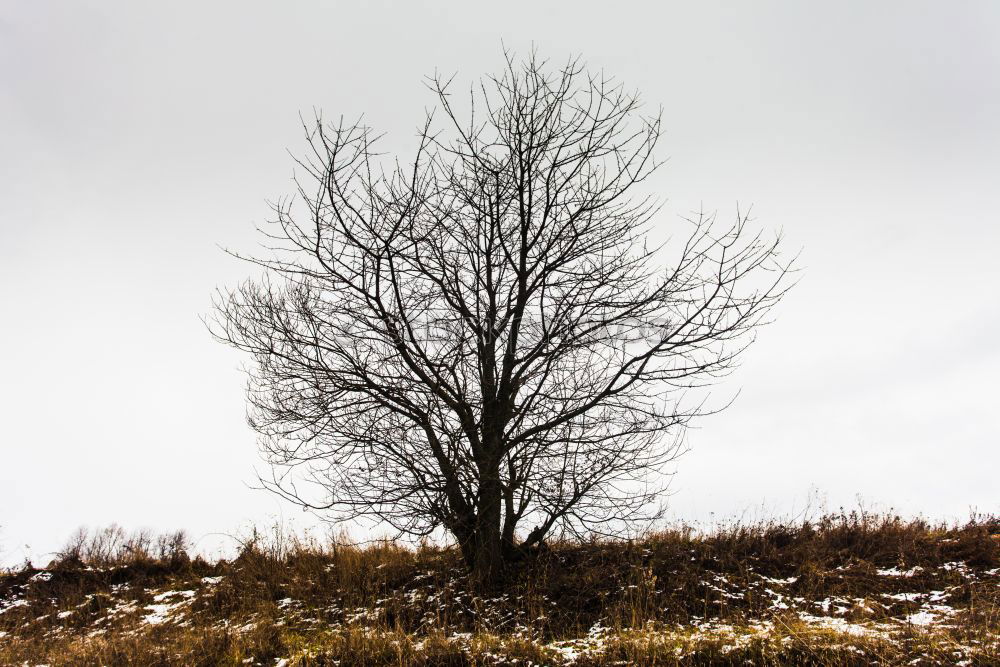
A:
841	626
7	605
164	611
868	618
896	572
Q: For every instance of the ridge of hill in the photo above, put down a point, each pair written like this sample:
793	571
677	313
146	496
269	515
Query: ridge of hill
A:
850	589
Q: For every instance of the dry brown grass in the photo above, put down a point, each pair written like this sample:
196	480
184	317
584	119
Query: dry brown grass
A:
847	589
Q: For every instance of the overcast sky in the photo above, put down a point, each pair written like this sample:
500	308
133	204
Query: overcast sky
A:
138	137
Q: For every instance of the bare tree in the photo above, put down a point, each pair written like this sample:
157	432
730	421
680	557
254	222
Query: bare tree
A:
480	339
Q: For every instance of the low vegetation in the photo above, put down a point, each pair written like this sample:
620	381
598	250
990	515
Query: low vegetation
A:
851	589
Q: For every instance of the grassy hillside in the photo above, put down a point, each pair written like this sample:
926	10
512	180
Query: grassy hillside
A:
846	590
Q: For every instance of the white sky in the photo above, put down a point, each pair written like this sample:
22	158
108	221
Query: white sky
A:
138	136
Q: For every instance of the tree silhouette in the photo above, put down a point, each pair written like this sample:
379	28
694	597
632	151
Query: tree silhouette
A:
480	339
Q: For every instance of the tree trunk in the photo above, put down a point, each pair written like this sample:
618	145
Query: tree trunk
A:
489	565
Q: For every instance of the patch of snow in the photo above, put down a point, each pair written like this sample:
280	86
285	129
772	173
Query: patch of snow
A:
921	618
362	614
904	597
566	650
778	599
122	608
211	581
839	607
7	606
160	613
896	572
841	625
169	594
